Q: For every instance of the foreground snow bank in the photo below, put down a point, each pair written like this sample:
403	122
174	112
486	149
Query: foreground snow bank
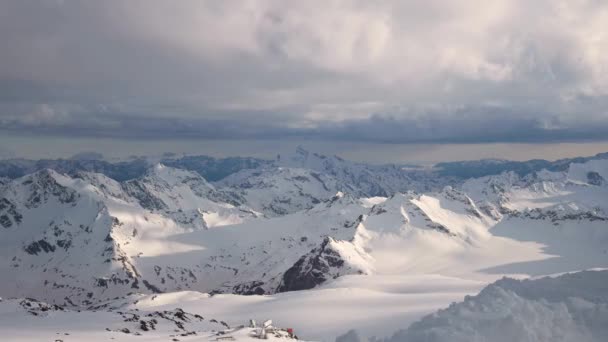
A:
571	307
28	320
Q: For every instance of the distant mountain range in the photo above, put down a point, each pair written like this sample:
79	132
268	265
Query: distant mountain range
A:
211	168
81	237
216	169
488	167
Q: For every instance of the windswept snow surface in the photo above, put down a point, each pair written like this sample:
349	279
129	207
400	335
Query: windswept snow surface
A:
375	305
571	307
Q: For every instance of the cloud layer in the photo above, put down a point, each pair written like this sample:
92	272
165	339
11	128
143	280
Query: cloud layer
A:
381	71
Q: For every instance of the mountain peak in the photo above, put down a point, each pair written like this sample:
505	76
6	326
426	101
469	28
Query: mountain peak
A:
172	175
300	150
302	158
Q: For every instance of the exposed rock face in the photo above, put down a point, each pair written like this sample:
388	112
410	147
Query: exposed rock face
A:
77	240
184	196
328	261
595	178
115	318
9	215
279	191
251	288
43	186
136	188
363	179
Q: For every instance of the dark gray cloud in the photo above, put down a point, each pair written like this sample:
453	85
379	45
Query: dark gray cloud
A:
385	71
442	125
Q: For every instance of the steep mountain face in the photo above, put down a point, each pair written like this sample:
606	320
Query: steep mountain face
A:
565	212
252	258
330	260
368	180
186	197
449	212
278	191
345	236
301	180
58	239
74	240
575	194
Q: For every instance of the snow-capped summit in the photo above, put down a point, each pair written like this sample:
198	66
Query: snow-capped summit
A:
186	197
330	260
301	180
364	179
278	191
572	194
70	240
304	159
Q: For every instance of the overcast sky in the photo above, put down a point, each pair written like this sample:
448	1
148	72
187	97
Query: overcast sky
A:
393	71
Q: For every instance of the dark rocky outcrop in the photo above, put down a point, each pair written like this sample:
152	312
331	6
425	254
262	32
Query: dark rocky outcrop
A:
595	178
9	214
251	288
137	189
314	268
39	246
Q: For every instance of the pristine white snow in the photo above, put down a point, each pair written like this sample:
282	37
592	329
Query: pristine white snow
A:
571	307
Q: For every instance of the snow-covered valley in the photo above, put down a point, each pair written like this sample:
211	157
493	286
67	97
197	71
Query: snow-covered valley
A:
315	243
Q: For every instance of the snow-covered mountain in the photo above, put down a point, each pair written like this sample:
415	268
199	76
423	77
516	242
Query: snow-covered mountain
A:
210	168
307	226
90	238
79	240
370	180
578	193
303	179
278	191
186	197
159	232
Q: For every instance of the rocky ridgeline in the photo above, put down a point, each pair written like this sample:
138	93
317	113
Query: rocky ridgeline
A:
321	264
175	323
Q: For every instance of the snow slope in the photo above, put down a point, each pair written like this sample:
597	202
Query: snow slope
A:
303	179
369	180
79	240
278	191
30	320
571	307
376	305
